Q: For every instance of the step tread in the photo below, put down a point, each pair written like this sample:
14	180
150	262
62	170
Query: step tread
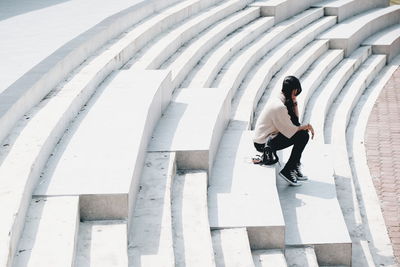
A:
102	243
192	237
385	37
242	194
301	256
150	239
269	258
49	236
231	248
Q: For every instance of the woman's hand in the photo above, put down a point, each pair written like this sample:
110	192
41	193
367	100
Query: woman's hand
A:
311	129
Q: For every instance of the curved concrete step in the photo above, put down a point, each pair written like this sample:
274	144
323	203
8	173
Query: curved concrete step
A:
242	194
214	60
386	42
251	90
50	233
345	9
182	63
102	243
231	248
165	46
190	130
349	34
309	210
233	74
101	158
301	256
192	237
269	258
283	9
321	100
151	238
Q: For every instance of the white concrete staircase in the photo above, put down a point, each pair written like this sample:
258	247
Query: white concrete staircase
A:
194	78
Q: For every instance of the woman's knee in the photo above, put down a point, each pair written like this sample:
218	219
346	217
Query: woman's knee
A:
303	136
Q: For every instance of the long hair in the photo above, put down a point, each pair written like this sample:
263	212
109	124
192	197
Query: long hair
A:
291	83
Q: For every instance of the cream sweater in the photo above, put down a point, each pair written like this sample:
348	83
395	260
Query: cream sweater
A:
274	119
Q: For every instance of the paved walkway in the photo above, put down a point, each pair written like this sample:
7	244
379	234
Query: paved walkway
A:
383	152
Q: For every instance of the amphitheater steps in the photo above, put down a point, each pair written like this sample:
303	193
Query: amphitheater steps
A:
231	248
309	210
50	233
301	256
321	100
345	9
386	42
165	46
283	9
190	129
102	243
94	158
236	189
151	236
192	237
269	258
349	34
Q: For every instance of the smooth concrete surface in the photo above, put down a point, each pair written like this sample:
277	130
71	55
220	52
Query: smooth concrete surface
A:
150	239
242	194
50	233
214	61
192	236
345	9
269	258
312	212
231	248
323	97
101	157
349	34
102	243
283	9
182	64
164	47
192	126
288	51
386	42
239	66
301	256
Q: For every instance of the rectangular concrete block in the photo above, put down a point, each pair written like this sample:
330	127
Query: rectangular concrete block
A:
269	258
242	194
192	126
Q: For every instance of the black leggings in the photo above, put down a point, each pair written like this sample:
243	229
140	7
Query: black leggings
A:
299	141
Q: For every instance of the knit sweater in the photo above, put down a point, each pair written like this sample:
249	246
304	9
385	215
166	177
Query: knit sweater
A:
274	119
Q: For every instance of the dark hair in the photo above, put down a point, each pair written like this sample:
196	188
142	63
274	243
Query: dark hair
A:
291	83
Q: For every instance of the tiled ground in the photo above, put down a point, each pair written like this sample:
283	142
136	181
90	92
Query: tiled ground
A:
383	152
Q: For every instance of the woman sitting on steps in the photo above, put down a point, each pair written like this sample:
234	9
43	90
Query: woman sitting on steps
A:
278	127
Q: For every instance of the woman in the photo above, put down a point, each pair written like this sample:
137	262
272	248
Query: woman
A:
278	127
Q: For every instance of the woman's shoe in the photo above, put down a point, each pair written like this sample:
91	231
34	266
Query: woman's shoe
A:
299	174
290	177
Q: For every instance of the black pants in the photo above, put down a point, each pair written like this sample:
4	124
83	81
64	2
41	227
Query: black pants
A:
299	141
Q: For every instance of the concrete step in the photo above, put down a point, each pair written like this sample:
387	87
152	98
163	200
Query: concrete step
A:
301	256
190	130
299	65
231	248
349	34
309	210
269	258
151	239
236	70
182	63
345	9
165	46
50	233
321	100
252	89
283	9
94	158
242	194
102	243
316	74
386	42
192	238
215	59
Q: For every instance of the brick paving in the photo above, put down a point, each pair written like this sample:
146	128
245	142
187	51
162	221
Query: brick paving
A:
383	154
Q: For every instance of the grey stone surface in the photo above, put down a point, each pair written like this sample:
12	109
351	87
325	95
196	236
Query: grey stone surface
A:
269	258
386	42
301	257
